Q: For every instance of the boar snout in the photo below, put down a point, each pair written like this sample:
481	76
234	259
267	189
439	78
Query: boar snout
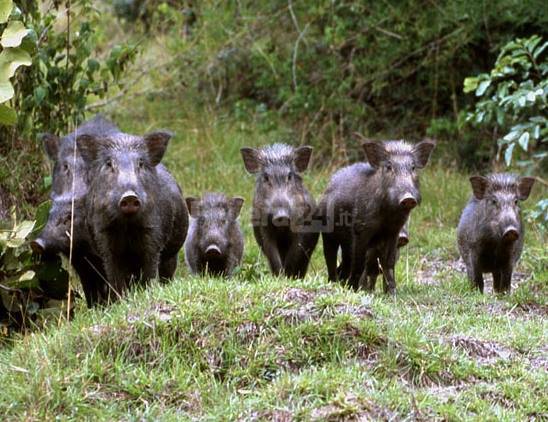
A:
281	218
510	234
129	203
38	246
408	201
213	251
403	239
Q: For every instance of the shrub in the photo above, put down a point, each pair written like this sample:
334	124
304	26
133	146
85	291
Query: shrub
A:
335	68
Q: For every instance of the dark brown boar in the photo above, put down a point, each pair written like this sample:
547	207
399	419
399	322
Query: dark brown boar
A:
382	205
135	212
490	231
282	207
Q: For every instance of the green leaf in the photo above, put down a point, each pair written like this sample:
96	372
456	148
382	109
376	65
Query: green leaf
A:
523	141
539	50
536	132
10	60
6	6
7	115
6	91
24	228
27	275
511	135
482	87
39	94
508	154
470	84
14	34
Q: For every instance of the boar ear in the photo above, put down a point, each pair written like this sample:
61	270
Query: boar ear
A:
422	152
479	186
375	153
236	205
252	161
88	147
302	158
51	145
156	143
192	205
525	185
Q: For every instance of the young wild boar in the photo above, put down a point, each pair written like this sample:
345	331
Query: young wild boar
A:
490	232
215	243
68	184
135	212
282	207
335	209
382	205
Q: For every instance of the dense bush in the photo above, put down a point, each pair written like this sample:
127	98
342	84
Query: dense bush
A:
334	68
513	98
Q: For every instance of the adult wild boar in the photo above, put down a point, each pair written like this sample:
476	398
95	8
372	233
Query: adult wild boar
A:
68	190
335	209
490	231
283	209
135	212
382	205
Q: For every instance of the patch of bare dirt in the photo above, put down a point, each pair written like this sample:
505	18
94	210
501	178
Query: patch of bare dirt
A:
521	311
306	308
352	408
483	352
539	360
268	415
160	311
434	269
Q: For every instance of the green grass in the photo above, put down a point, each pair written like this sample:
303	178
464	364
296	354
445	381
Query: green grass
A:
257	347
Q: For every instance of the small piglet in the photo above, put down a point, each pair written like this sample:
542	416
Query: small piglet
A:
283	210
215	243
490	231
135	212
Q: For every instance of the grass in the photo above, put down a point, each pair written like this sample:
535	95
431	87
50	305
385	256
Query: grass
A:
257	347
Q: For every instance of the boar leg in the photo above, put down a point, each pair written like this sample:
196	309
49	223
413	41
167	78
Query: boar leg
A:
151	262
90	278
388	263
371	272
330	248
167	267
476	276
360	240
503	281
270	249
298	255
343	272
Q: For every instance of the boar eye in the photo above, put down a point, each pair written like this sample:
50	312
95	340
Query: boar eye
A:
141	163
388	167
290	177
109	163
515	201
66	167
494	202
265	177
413	167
